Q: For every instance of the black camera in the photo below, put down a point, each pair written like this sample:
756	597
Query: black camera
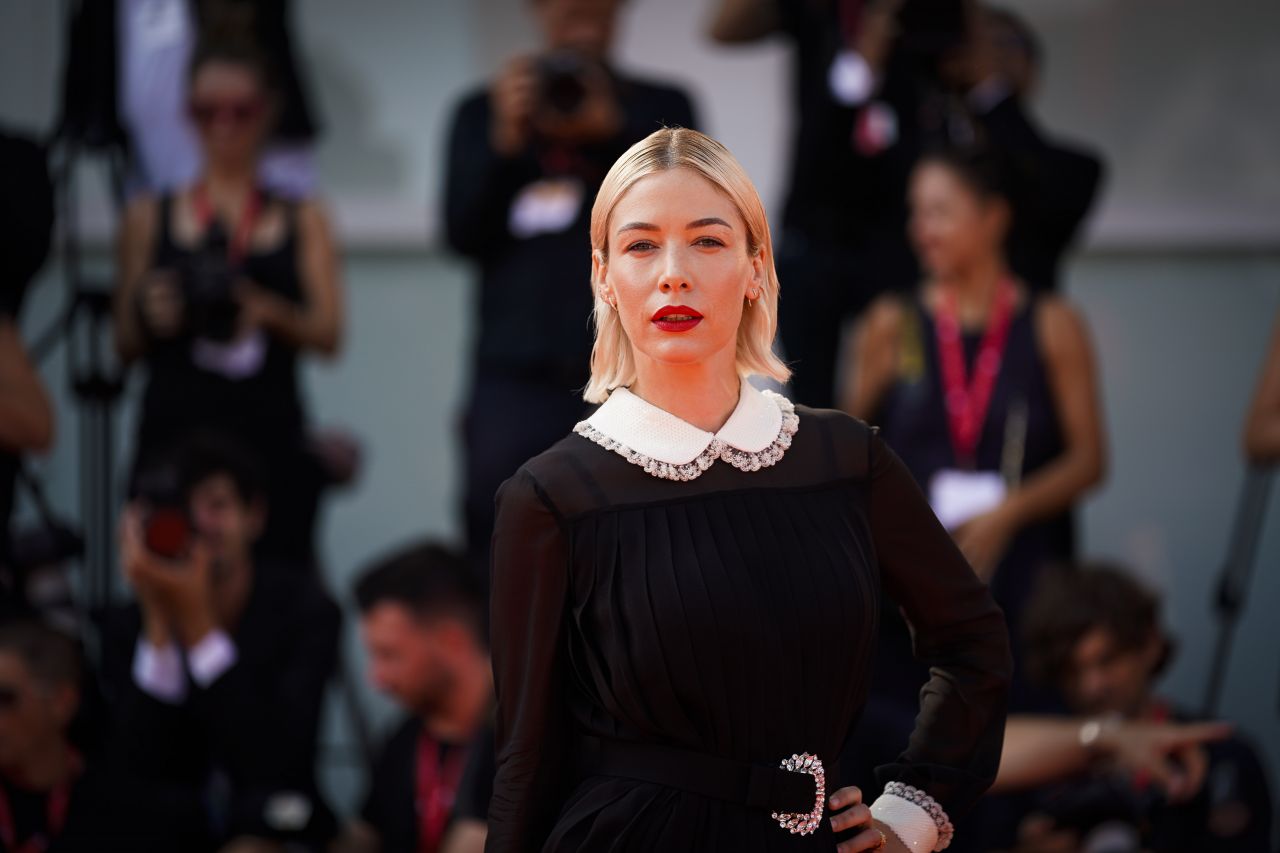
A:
207	279
166	519
563	81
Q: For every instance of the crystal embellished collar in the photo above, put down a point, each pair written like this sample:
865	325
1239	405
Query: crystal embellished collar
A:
756	435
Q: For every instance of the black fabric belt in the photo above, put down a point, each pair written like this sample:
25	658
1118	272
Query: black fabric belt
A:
770	789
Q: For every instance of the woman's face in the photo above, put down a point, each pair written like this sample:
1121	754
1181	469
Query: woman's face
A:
678	268
229	110
952	227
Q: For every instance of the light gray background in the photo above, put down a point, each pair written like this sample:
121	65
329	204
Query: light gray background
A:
1180	277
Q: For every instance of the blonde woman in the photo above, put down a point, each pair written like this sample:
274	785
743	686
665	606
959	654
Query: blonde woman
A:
685	588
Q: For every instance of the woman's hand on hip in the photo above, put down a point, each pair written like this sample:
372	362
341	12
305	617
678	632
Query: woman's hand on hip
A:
849	812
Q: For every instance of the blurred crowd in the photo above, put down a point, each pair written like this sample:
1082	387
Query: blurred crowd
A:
926	222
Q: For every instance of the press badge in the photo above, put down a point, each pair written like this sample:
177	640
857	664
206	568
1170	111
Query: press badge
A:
957	496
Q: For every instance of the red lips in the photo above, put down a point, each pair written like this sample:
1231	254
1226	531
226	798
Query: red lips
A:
676	318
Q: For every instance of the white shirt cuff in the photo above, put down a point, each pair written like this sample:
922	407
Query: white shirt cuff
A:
211	657
157	670
912	824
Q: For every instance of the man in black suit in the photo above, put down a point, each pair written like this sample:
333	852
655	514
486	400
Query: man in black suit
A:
1054	185
527	153
217	674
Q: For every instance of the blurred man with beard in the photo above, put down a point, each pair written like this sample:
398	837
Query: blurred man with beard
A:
422	622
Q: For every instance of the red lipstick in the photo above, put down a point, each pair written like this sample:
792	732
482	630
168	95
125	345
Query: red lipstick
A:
676	318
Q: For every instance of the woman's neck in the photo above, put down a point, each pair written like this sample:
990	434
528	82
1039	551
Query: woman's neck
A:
703	394
228	184
974	291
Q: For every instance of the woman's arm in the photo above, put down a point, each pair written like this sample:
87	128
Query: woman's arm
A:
1262	426
528	606
134	246
1073	381
872	361
958	632
26	418
317	323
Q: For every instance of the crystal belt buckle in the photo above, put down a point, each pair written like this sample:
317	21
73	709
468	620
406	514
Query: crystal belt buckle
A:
805	824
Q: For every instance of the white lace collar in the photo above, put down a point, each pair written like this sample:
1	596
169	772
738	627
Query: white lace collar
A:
756	435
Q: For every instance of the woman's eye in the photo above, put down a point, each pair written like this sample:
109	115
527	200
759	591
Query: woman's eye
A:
640	246
708	241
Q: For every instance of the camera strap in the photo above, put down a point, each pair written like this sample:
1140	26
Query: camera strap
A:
242	234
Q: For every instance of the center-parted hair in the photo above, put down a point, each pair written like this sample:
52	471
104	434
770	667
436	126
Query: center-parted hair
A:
612	360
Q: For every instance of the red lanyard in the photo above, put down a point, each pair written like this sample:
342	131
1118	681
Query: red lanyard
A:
56	805
437	788
238	245
967	401
850	21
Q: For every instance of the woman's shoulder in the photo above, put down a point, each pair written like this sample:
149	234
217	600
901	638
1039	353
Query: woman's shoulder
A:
835	435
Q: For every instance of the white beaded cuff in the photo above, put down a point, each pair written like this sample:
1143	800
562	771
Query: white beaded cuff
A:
914	816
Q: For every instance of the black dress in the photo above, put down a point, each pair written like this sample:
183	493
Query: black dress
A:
733	615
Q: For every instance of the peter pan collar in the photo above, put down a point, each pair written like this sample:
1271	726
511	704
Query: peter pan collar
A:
756	435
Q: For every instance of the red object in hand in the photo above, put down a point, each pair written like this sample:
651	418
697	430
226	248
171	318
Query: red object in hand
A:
167	533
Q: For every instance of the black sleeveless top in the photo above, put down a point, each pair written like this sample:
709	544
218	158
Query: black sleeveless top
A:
263	407
913	420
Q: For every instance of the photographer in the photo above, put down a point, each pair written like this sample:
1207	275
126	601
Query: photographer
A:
216	676
877	83
1128	766
222	287
527	154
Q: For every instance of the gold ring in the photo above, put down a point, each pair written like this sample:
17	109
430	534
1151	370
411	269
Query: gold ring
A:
884	839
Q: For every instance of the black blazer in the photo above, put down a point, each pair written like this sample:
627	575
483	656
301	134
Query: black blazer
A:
256	726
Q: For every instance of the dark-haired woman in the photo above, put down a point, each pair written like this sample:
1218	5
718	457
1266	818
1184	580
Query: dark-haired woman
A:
988	393
221	287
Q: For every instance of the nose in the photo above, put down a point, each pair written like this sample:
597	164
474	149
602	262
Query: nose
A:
673	277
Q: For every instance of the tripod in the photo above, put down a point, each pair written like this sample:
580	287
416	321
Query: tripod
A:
1233	585
94	376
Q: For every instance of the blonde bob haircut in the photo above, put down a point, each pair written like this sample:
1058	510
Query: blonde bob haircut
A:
612	359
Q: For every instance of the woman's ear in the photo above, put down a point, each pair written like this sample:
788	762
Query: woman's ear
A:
599	276
757	276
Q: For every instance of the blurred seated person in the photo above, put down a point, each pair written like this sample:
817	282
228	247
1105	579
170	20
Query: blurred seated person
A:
1056	183
988	391
53	797
422	622
527	153
216	676
26	417
223	286
1262	427
125	83
1128	765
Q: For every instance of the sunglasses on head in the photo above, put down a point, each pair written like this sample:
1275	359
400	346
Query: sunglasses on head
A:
206	111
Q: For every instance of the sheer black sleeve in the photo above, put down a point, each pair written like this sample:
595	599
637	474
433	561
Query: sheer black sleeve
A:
957	630
528	611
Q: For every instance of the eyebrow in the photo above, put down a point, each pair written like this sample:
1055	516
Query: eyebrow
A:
697	223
